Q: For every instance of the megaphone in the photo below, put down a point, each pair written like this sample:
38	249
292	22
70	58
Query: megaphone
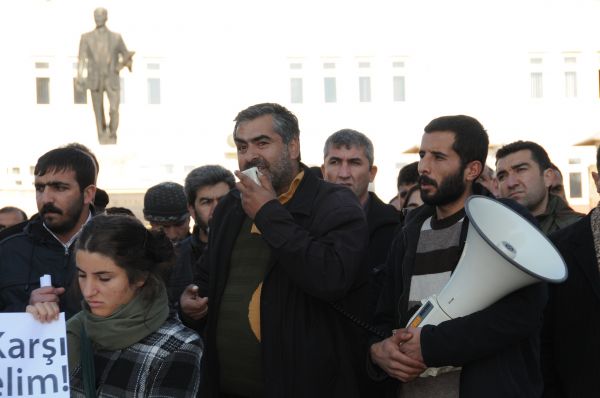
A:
503	252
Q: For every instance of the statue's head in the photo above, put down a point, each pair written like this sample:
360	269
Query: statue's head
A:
100	16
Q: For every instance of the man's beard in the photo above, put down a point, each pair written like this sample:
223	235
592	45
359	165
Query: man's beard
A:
72	216
449	190
281	171
199	223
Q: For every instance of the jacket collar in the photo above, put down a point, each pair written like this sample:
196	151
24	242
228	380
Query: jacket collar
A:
302	201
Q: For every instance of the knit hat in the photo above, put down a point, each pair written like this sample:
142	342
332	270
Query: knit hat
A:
165	203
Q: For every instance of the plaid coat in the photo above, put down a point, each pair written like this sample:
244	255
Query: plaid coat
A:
164	364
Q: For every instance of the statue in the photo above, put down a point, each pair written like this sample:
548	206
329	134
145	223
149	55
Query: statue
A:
102	55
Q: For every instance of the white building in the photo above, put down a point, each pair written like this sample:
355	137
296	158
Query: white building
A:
526	69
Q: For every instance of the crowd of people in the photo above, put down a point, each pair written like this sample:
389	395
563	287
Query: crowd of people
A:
302	285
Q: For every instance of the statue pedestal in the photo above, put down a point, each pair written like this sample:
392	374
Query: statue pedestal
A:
107	140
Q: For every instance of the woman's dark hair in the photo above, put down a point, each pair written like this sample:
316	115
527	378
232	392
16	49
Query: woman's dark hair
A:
142	253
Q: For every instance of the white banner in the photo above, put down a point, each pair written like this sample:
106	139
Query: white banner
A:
33	357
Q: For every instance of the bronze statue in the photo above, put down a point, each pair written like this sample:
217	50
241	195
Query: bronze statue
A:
102	55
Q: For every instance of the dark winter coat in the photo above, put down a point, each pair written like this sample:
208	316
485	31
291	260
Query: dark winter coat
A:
27	255
571	334
317	243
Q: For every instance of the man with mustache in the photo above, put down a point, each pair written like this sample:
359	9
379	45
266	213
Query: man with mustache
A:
280	253
64	181
525	174
493	352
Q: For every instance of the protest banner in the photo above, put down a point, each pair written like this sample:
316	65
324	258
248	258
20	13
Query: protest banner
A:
33	357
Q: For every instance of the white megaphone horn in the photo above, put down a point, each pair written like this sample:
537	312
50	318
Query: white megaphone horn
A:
503	252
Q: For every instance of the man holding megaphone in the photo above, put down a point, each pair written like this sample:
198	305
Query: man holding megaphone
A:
493	352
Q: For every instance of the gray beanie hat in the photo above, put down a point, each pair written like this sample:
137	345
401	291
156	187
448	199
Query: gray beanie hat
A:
165	203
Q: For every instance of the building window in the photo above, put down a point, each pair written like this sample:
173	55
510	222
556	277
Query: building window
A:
364	89
295	65
42	87
575	186
42	82
398	89
571	84
537	87
79	93
330	89
296	90
16	170
153	68
153	91
329	65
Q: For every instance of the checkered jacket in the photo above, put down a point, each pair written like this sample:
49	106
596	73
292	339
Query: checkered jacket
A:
164	364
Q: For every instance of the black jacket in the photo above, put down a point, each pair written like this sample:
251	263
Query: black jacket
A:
383	220
185	270
498	347
26	256
317	241
571	334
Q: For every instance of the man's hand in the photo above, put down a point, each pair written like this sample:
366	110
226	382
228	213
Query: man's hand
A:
46	294
412	347
44	312
388	356
254	196
192	305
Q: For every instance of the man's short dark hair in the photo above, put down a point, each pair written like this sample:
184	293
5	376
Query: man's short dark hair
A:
204	176
349	138
408	174
65	159
285	122
598	159
87	150
101	199
470	138
538	153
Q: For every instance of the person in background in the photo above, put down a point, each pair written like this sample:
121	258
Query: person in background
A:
10	216
407	178
412	201
204	187
119	210
524	174
488	180
125	342
570	343
348	160
557	186
101	200
165	208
